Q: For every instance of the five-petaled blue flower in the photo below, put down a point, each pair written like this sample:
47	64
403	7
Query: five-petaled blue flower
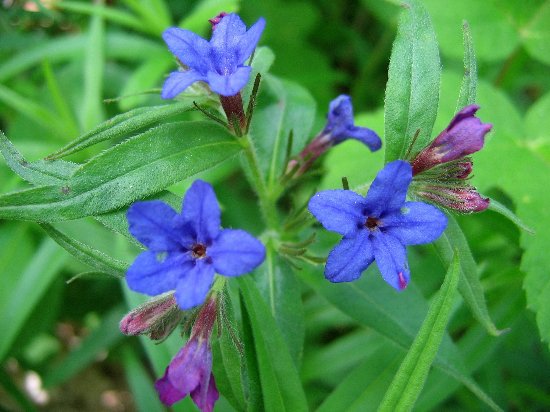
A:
340	125
376	227
220	62
187	249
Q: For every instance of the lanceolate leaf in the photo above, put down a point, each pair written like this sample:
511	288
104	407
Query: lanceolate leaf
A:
469	81
412	92
469	285
281	386
137	168
411	376
124	124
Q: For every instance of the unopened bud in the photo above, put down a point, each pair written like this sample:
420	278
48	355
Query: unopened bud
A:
156	318
460	199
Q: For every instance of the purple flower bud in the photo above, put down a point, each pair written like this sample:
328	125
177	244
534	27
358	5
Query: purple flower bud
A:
156	318
464	135
461	199
190	373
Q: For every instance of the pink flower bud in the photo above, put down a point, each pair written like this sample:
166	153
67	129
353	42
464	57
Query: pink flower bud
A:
461	199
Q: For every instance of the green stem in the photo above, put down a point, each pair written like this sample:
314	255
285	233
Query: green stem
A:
266	201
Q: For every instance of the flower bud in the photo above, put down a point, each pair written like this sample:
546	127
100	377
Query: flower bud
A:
156	318
464	135
460	199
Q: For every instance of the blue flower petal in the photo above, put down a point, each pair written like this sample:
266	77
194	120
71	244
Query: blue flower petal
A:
365	136
389	190
391	258
236	252
201	212
340	211
192	288
340	117
349	258
177	82
191	49
230	84
151	223
227	33
416	223
153	274
249	41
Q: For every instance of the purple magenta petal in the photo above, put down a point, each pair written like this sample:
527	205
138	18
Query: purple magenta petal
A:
464	113
366	136
177	82
205	400
391	257
193	287
153	274
152	223
416	223
389	189
349	258
168	394
236	252
191	49
340	211
249	41
190	366
229	84
201	212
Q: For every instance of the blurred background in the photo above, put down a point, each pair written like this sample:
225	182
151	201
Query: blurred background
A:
65	66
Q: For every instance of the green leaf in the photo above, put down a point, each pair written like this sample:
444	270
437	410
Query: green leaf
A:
413	372
536	33
106	335
86	254
134	169
30	288
372	303
281	386
196	21
145	397
504	211
470	285
469	81
123	125
254	399
116	16
284	107
281	289
412	92
94	63
228	365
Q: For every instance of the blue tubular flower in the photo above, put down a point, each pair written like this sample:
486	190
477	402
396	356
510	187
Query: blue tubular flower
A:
220	62
340	125
187	249
376	227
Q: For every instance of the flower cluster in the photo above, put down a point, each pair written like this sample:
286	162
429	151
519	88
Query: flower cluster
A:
186	250
376	227
442	168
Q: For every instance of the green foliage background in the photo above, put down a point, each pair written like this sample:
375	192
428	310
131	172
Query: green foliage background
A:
57	67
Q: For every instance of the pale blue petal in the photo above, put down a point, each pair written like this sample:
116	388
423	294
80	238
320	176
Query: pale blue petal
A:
236	252
191	49
249	41
192	288
153	274
366	136
349	258
201	212
416	223
340	211
231	83
391	258
389	189
177	82
227	33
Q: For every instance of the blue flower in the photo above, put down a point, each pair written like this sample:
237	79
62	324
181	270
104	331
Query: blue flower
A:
376	227
220	62
340	125
187	249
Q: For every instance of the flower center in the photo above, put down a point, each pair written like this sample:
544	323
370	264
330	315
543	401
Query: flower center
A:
198	250
372	223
